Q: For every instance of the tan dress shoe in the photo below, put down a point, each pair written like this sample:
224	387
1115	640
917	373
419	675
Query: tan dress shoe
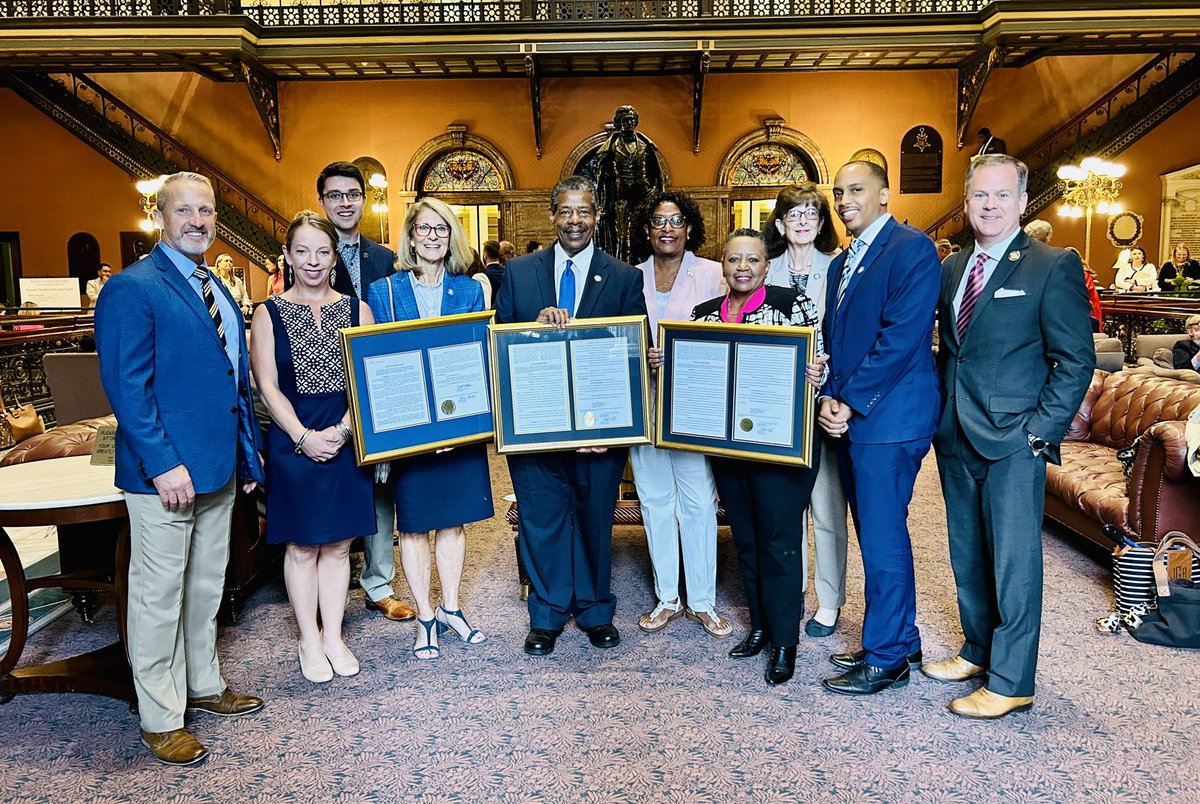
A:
983	704
956	669
392	608
176	747
227	704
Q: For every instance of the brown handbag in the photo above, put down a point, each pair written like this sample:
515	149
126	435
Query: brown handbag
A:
23	421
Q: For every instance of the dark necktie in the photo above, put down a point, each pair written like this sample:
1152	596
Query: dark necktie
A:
971	295
210	301
566	290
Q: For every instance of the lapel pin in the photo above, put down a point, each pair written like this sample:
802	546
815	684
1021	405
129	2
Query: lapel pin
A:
450	292
595	278
1013	256
860	270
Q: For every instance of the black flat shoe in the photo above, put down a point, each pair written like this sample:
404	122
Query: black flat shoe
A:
751	645
855	660
603	636
540	641
816	629
782	665
868	680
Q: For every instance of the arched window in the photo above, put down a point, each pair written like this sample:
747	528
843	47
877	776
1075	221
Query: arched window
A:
762	163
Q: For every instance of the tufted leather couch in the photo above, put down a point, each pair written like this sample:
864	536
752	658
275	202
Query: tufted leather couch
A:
1090	490
64	441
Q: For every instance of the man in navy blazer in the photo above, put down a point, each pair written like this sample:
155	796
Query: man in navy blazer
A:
180	389
565	500
881	403
342	193
1015	351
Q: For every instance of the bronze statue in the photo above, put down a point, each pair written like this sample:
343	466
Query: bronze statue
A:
626	170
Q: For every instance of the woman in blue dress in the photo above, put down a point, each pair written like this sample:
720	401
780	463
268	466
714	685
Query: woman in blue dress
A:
318	499
441	491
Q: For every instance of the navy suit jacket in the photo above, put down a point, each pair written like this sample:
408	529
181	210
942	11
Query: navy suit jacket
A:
460	294
880	341
170	382
611	289
495	274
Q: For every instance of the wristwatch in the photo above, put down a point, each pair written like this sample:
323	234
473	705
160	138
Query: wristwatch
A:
1038	445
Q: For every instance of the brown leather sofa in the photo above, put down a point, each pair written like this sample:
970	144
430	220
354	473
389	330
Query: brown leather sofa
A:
249	554
1090	490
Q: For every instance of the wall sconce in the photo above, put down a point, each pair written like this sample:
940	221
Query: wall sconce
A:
149	189
1091	186
379	184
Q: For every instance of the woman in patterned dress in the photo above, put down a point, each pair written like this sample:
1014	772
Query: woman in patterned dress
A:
318	499
761	499
441	491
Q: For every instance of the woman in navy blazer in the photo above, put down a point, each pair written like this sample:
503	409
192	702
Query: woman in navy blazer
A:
441	491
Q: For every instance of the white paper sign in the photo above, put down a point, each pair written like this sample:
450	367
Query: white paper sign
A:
50	291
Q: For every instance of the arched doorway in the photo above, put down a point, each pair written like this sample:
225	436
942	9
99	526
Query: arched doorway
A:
763	162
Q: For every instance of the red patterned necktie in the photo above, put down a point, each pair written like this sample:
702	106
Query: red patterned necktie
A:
971	295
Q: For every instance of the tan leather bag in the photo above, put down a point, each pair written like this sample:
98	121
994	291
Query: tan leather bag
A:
23	421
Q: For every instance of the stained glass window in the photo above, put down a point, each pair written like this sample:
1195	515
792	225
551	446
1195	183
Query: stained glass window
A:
768	165
462	170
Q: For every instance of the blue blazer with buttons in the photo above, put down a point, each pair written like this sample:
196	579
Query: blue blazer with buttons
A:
460	294
880	341
167	374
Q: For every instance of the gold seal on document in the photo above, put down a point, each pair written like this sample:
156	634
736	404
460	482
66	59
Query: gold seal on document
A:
448	407
589	419
746	424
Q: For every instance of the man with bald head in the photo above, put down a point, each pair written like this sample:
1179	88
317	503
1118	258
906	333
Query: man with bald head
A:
880	404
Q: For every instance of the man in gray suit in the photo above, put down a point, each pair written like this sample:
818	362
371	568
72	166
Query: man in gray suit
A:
1016	358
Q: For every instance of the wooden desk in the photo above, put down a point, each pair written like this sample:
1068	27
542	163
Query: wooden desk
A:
78	498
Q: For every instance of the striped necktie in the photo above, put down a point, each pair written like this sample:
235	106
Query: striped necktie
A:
210	301
971	295
856	247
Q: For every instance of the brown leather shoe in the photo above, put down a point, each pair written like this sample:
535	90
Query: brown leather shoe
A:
983	704
393	608
227	704
174	747
956	669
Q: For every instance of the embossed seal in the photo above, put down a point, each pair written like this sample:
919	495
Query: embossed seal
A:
448	407
589	419
746	424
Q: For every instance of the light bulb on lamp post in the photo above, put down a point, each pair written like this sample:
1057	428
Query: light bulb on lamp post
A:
379	184
1091	186
148	188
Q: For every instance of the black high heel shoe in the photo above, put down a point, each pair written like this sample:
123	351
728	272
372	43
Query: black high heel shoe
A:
446	621
782	665
751	645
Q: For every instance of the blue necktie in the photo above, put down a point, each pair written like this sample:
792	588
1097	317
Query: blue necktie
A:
566	290
856	246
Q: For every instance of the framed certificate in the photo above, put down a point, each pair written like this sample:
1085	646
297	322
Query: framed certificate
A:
418	386
583	386
736	390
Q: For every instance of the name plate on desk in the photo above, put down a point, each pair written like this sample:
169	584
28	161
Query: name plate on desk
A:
582	386
417	386
104	448
736	391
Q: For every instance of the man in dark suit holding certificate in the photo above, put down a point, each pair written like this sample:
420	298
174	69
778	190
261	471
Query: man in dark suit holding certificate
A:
566	499
1016	358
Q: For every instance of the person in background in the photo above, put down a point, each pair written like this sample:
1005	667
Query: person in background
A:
675	488
532	246
94	286
801	243
493	266
1186	352
989	144
1039	230
1180	264
944	248
477	271
507	252
275	279
1136	275
237	288
1089	280
435	492
318	498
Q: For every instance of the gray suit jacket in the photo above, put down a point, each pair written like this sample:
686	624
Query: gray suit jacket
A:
1026	359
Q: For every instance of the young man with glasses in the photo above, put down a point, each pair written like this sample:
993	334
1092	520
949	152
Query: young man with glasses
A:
342	193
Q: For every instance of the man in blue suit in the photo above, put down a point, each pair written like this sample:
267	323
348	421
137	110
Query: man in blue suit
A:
565	499
172	347
881	402
342	193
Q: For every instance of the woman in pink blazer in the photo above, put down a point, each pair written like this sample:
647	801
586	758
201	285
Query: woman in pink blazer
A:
676	489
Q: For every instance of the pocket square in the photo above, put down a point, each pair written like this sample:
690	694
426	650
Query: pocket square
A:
1005	293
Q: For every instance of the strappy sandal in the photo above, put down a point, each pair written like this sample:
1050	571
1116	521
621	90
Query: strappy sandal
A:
713	624
444	617
430	649
660	616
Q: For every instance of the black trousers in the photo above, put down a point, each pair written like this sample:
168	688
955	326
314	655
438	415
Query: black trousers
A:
766	505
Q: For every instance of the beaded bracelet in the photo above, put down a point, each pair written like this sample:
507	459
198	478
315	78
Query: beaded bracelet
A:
300	440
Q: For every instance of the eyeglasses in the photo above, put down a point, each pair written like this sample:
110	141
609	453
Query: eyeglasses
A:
337	197
661	221
423	229
796	213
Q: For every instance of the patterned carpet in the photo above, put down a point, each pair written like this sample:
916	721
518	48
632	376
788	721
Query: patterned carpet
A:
664	717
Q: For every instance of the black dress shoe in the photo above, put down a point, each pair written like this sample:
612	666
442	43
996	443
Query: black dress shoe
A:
816	629
853	661
751	645
540	641
868	680
603	636
782	665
